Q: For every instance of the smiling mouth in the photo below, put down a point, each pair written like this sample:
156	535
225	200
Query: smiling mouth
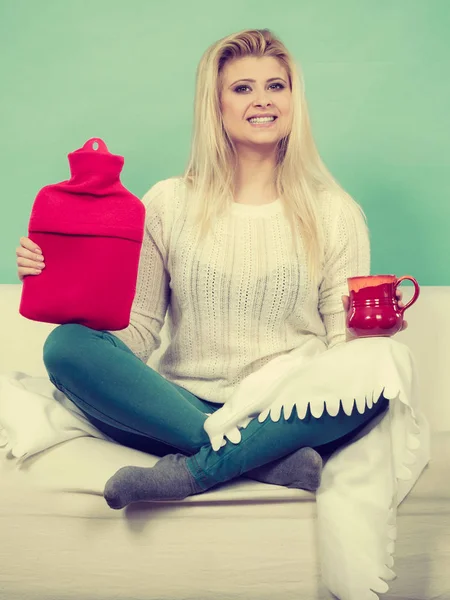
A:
262	120
262	123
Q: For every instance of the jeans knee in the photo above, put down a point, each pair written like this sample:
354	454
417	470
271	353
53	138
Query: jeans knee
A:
60	345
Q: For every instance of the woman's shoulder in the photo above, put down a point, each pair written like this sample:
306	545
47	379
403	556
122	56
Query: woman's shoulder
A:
166	192
164	203
334	197
338	205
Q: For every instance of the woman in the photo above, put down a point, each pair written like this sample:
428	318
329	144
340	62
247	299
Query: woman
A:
249	254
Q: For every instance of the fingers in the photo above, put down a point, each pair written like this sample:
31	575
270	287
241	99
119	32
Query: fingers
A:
30	260
30	264
345	302
26	272
399	297
25	242
26	256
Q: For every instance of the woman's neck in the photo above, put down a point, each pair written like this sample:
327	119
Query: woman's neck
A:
255	179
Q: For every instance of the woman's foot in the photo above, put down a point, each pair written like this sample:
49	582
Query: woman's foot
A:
169	479
301	469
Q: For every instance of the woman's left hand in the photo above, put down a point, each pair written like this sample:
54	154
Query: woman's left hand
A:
346	303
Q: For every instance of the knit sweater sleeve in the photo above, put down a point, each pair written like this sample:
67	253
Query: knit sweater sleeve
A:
152	295
347	254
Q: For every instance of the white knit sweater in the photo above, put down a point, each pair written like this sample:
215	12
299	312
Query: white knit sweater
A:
241	299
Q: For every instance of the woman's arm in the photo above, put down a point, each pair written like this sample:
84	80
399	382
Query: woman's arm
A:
347	254
152	288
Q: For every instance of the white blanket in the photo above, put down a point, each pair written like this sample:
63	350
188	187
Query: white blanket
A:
362	484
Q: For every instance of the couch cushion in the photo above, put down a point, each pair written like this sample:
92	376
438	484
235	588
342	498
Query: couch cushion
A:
81	467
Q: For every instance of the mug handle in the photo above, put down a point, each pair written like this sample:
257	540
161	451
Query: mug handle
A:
416	291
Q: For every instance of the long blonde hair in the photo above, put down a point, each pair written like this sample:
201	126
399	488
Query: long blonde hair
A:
300	173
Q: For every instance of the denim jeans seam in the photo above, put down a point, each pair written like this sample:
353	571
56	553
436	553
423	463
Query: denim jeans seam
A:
201	478
205	475
236	446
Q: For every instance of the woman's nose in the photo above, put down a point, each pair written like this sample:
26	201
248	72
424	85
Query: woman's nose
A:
261	101
261	98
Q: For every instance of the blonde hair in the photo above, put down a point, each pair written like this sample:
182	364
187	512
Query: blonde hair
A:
300	173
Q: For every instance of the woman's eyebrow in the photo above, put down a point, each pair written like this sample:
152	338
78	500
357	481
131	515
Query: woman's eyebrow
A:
254	80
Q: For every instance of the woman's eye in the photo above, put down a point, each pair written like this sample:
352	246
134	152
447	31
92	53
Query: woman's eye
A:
239	88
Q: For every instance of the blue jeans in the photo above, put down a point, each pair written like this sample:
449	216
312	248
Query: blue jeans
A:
137	407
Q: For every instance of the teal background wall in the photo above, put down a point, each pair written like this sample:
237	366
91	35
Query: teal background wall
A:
377	83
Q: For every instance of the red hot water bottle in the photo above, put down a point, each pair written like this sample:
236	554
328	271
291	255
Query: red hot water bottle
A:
90	230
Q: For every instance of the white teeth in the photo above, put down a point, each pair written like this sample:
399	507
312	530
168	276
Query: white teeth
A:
262	119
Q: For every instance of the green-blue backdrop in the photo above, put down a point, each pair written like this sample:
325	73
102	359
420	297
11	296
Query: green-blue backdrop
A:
377	81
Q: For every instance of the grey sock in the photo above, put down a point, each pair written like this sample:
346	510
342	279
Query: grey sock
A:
301	469
169	479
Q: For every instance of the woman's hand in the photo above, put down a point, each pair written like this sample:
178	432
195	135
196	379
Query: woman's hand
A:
346	303
29	258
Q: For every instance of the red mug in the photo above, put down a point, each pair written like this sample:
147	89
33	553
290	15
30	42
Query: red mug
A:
373	307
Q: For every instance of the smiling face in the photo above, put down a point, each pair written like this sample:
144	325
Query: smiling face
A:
256	86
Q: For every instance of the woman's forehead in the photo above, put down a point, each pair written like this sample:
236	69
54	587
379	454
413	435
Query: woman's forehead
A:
253	67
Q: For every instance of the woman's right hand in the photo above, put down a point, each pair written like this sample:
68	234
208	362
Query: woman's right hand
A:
29	258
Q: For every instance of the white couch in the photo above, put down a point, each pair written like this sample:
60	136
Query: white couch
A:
244	540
